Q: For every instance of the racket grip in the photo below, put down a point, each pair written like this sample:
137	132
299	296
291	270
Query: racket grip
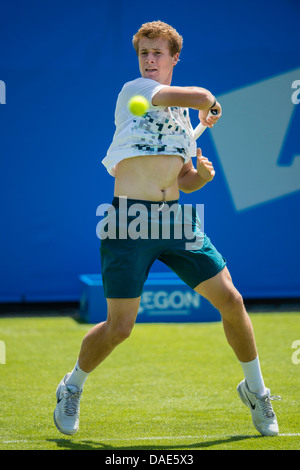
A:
200	128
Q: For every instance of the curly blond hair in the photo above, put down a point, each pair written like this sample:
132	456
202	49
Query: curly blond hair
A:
159	29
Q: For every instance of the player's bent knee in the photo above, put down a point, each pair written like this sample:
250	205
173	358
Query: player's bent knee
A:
120	332
121	316
232	305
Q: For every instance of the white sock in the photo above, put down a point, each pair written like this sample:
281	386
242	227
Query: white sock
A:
77	377
254	377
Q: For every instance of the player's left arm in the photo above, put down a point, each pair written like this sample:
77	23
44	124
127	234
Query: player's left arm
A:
191	179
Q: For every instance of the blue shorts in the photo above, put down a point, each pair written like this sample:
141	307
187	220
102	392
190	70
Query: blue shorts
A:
137	233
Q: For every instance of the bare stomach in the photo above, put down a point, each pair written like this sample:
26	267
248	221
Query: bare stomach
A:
149	177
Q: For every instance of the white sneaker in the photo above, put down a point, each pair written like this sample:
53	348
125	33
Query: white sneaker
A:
263	416
66	413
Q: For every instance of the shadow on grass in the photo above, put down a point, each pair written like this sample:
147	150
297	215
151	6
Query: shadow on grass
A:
69	444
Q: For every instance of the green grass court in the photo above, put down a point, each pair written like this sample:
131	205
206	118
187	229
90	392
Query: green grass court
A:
168	387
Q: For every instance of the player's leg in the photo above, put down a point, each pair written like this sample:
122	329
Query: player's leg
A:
97	344
198	263
204	269
220	291
100	341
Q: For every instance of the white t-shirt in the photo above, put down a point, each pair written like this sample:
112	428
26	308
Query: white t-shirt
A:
162	131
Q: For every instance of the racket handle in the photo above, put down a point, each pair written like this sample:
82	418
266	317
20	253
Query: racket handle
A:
200	128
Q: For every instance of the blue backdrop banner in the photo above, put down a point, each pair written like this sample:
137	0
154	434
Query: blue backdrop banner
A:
62	65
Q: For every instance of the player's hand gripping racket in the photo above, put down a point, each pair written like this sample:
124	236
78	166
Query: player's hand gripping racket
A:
200	128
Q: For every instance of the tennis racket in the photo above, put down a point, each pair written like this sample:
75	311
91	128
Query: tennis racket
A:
200	128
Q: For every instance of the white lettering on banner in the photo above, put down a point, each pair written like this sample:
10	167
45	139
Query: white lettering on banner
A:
160	302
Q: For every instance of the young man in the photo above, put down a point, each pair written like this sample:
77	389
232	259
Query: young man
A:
150	157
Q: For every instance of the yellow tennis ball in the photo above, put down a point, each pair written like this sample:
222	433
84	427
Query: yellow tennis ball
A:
138	105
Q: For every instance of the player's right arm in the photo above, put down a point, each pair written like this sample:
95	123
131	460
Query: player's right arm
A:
189	97
184	97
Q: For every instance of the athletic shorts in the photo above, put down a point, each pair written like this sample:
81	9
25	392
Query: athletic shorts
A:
135	233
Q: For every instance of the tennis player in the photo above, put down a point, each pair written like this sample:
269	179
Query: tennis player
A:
150	158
